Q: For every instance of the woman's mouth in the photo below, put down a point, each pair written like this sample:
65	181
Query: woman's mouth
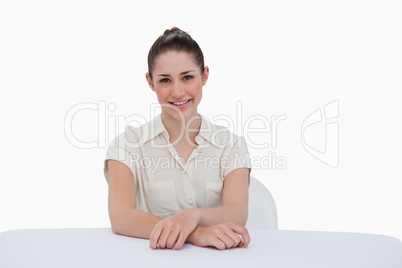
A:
180	104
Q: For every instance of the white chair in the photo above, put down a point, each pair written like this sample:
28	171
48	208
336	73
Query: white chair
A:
262	212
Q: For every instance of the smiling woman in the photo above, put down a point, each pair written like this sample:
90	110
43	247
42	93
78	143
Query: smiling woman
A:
175	88
186	199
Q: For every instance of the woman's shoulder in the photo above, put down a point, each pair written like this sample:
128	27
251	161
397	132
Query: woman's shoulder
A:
132	135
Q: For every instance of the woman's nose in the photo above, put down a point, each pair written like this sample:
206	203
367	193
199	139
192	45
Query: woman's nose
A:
177	91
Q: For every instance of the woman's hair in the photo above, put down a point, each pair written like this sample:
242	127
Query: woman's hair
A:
176	40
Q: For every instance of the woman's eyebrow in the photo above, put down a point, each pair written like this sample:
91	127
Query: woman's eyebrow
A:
183	73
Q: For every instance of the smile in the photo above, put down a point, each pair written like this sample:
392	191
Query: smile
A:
180	104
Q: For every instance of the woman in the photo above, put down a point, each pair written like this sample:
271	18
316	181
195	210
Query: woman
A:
179	178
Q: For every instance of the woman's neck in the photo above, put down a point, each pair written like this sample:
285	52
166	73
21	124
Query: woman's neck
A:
180	130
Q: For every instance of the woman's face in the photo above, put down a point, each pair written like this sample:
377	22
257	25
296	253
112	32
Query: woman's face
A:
177	82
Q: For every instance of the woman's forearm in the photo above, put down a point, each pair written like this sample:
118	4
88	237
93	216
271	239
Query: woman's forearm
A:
227	213
133	222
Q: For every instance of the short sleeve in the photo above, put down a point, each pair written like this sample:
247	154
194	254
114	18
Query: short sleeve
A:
117	151
237	157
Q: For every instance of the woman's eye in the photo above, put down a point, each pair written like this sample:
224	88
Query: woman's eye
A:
164	80
187	77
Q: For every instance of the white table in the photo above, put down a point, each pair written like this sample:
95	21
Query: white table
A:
100	247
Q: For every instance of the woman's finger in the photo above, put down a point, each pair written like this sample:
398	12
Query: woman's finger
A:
173	237
164	237
154	236
241	231
181	240
235	238
229	243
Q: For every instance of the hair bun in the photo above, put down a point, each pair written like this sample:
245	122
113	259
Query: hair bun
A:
174	29
175	39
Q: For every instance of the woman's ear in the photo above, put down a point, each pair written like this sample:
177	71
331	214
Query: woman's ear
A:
149	80
205	75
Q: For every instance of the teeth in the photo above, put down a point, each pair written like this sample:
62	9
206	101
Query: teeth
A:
180	103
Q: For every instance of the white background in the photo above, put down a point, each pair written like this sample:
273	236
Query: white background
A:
279	58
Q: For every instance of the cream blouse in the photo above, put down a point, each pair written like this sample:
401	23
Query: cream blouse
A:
163	184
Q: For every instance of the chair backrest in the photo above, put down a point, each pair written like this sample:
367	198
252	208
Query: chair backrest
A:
262	212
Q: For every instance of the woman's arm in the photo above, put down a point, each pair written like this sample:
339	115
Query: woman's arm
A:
234	201
125	219
225	223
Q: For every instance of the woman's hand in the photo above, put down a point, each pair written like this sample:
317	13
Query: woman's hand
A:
172	232
221	236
